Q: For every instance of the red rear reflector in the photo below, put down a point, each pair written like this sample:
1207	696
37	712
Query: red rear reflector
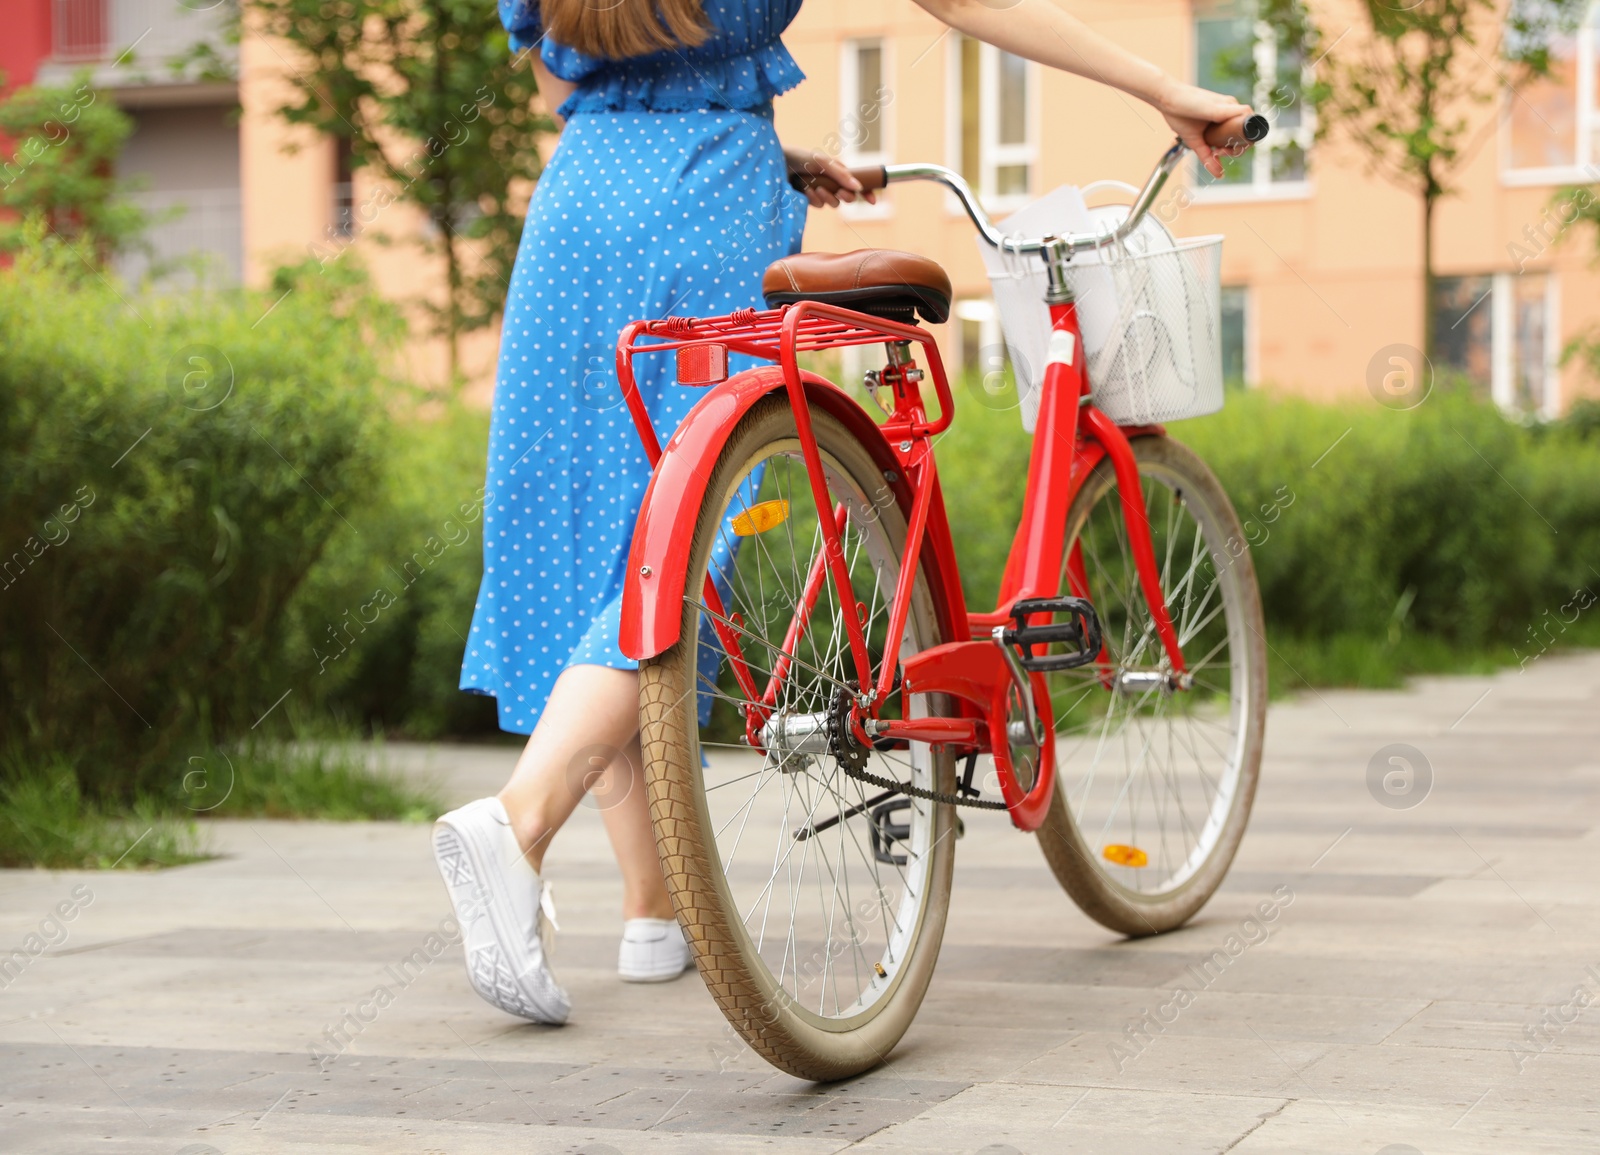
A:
702	364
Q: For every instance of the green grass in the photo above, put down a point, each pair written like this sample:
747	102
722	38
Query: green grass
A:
1353	660
45	821
331	780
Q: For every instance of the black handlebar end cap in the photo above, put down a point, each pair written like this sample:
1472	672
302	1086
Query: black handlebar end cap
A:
1256	128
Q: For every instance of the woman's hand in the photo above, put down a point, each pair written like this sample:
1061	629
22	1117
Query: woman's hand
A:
1190	111
808	162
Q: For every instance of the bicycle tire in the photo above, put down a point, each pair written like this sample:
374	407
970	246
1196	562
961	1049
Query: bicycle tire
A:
1081	828
754	992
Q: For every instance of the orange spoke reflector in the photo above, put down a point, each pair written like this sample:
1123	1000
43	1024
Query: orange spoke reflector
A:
760	518
1125	855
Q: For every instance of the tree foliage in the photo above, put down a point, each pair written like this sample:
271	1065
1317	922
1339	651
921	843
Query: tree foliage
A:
426	94
60	170
1400	86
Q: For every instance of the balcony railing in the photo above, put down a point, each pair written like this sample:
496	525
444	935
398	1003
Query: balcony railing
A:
91	31
203	226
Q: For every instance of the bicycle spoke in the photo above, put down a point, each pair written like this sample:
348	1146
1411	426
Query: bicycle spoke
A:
828	918
1148	767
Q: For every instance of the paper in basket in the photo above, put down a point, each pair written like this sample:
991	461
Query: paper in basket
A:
1149	309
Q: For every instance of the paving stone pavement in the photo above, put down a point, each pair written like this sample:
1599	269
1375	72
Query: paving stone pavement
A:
1424	987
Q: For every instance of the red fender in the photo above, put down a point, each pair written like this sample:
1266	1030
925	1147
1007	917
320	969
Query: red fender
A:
653	587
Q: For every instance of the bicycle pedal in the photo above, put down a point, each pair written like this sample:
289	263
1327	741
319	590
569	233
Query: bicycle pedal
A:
885	831
1081	633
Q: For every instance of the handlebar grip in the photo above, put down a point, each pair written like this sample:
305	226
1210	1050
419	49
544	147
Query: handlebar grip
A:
1237	133
872	178
1240	132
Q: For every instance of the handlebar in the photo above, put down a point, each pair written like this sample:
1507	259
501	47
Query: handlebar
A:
1234	135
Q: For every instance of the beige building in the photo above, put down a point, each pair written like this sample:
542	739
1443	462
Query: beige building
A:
230	183
1322	264
1321	267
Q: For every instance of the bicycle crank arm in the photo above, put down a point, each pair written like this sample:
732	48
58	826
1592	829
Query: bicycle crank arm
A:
945	731
812	829
981	673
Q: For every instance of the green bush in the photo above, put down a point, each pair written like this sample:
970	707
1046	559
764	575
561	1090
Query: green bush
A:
174	469
1428	539
1447	520
221	530
382	623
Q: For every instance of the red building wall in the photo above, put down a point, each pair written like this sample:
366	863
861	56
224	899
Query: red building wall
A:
25	42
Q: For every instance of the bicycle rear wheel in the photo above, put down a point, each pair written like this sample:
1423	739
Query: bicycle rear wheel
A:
815	915
1154	784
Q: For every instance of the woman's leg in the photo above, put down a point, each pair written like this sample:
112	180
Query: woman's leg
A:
625	806
587	738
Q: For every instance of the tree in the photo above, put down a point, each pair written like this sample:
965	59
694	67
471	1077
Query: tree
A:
428	94
60	170
1400	87
1579	206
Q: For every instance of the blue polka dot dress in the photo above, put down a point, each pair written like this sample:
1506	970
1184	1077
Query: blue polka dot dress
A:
667	196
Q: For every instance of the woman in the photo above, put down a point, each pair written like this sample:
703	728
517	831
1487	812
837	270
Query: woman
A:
666	196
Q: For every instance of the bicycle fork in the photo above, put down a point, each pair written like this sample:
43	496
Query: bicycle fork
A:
982	671
1066	398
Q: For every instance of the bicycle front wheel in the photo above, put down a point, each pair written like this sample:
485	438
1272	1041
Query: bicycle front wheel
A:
1154	783
813	898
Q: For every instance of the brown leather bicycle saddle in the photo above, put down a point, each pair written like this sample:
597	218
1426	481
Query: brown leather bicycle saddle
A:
883	282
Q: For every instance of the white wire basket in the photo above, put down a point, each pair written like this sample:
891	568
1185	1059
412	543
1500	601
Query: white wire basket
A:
1149	308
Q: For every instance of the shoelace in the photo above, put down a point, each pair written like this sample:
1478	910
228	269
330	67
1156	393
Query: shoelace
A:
547	904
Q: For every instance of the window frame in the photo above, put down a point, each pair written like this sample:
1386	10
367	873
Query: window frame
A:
1250	368
1261	186
1500	338
992	155
850	101
1503	347
1585	167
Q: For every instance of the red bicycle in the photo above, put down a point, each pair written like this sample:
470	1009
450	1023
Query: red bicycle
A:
816	696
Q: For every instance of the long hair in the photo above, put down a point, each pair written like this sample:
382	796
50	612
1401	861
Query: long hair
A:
618	29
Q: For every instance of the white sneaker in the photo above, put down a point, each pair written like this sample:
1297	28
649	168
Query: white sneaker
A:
653	950
505	911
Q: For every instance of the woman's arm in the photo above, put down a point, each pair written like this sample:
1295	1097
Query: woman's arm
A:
1039	31
554	90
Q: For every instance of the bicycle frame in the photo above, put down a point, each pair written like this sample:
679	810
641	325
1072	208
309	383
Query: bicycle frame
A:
1071	438
975	665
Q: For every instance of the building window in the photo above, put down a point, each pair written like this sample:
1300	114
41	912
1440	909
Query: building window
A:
1238	364
1551	126
864	102
864	121
1463	320
344	195
1501	331
1237	54
994	141
186	157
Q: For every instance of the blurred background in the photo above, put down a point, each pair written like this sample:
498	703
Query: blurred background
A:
254	259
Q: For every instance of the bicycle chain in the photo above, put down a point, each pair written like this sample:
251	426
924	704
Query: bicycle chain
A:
918	792
852	759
